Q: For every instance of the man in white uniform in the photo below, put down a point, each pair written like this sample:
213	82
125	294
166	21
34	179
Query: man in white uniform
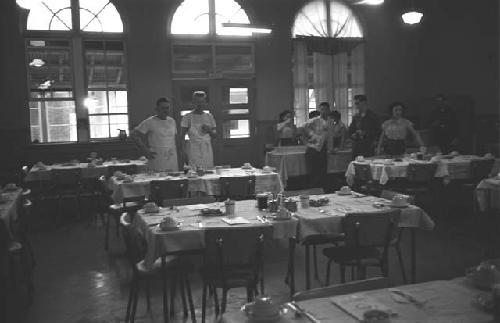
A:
200	127
156	137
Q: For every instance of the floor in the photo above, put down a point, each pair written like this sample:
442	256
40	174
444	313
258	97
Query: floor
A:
77	281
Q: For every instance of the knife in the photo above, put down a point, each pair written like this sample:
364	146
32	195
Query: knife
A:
301	312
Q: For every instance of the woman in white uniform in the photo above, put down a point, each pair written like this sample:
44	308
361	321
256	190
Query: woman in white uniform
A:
156	137
200	127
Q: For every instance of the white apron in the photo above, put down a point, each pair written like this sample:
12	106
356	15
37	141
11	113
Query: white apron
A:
200	153
165	159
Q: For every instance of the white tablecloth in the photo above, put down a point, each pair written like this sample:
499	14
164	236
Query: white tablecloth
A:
326	219
454	168
191	235
443	302
37	174
292	162
209	184
488	194
9	208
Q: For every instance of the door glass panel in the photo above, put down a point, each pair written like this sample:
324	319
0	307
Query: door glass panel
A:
236	111
236	95
99	126
236	129
192	59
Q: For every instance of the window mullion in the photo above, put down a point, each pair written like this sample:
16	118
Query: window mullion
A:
211	17
79	92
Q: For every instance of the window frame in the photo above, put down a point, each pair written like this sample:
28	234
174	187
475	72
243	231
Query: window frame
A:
76	38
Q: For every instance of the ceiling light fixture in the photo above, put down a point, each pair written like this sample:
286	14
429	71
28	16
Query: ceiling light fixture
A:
37	62
412	16
256	29
370	2
25	4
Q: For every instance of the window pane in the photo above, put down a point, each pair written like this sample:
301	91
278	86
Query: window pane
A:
99	126
105	64
50	69
60	120
36	134
236	129
192	59
230	11
237	59
50	15
118	102
238	95
96	102
100	16
191	17
117	123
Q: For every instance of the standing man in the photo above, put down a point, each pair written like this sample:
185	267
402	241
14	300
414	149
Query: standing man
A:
156	137
200	127
364	129
444	125
316	130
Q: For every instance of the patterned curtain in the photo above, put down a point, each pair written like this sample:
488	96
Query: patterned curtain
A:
300	82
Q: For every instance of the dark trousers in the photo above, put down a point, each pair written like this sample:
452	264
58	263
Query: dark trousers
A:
395	147
316	163
362	148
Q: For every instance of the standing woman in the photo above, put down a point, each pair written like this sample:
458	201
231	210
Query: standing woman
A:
156	137
286	129
395	130
200	127
336	132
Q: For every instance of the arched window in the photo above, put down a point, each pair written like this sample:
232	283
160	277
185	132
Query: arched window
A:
328	61
195	17
77	83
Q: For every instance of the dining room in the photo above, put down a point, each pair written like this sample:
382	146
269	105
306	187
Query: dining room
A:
249	161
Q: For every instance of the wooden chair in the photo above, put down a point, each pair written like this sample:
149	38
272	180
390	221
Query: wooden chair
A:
343	289
239	188
189	201
176	269
129	169
129	205
161	190
367	241
363	180
233	259
67	183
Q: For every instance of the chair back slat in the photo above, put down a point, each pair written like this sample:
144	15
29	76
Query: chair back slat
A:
135	244
189	201
421	173
237	187
168	189
362	173
127	169
343	289
480	169
310	191
370	229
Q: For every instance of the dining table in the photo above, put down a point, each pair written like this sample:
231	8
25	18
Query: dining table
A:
290	161
439	301
209	184
488	194
41	172
383	169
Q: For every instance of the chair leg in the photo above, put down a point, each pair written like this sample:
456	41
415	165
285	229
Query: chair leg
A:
308	274
130	299
106	233
190	299
315	259
224	299
173	290
204	301
401	263
148	296
328	268
216	301
262	280
134	302
342	274
117	226
183	296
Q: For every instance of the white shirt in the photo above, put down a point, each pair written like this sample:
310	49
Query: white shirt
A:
160	133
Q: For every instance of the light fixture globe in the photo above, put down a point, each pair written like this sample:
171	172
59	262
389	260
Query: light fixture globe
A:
370	2
412	17
25	4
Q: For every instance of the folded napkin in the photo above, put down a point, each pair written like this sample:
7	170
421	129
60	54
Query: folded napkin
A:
236	220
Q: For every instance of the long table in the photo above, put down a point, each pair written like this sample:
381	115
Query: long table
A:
37	173
441	301
290	161
306	221
383	169
208	184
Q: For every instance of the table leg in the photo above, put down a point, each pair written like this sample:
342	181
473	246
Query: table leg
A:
413	255
291	265
166	317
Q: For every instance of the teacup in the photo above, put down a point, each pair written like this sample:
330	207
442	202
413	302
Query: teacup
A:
247	165
304	201
267	169
360	158
168	223
263	308
218	170
399	200
345	190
